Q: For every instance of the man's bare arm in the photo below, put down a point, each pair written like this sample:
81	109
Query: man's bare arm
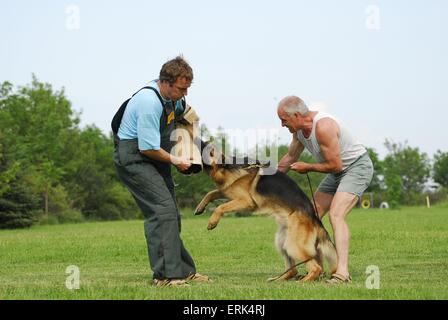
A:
163	156
327	134
294	152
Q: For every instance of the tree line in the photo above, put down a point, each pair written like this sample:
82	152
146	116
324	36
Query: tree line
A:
54	171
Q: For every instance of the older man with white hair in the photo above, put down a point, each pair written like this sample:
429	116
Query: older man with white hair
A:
344	159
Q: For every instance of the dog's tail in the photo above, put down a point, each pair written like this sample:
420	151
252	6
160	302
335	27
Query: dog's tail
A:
327	250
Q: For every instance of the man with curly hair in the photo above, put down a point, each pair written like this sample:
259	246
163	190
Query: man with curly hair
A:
143	162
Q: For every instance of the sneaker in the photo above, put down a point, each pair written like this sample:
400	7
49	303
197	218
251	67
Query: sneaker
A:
170	283
198	277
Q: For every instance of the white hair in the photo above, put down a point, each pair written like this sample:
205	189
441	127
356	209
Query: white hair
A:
293	104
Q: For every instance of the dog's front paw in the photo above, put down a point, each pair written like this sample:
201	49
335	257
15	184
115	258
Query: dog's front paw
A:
199	210
212	224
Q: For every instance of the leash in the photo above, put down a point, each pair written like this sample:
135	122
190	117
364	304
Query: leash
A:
312	194
295	266
252	166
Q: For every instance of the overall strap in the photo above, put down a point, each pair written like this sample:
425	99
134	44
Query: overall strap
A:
153	89
116	121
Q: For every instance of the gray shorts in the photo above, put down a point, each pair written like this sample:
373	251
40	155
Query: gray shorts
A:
355	179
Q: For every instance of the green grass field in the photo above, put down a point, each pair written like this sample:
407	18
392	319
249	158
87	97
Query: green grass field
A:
409	246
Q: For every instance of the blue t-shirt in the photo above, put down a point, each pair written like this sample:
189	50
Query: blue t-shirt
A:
141	119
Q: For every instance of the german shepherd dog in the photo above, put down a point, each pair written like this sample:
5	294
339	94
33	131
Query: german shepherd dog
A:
301	237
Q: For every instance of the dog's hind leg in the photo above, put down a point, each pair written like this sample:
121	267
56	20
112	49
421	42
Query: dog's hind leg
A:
301	245
314	270
290	272
327	250
209	197
313	265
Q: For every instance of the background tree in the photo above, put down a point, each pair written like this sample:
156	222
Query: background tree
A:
411	166
440	168
394	194
49	164
377	184
19	207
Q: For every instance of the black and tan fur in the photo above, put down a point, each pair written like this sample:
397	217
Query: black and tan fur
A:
300	236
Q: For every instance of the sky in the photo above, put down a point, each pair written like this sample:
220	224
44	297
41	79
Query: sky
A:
379	66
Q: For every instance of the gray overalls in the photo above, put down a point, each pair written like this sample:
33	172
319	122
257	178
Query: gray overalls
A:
152	187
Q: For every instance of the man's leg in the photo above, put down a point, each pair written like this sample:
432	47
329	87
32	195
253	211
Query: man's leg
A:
342	204
188	264
167	255
324	194
323	202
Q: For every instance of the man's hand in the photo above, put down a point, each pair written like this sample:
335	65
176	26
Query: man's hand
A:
181	164
300	167
294	152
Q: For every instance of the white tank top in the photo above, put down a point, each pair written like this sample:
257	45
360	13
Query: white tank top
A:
350	148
